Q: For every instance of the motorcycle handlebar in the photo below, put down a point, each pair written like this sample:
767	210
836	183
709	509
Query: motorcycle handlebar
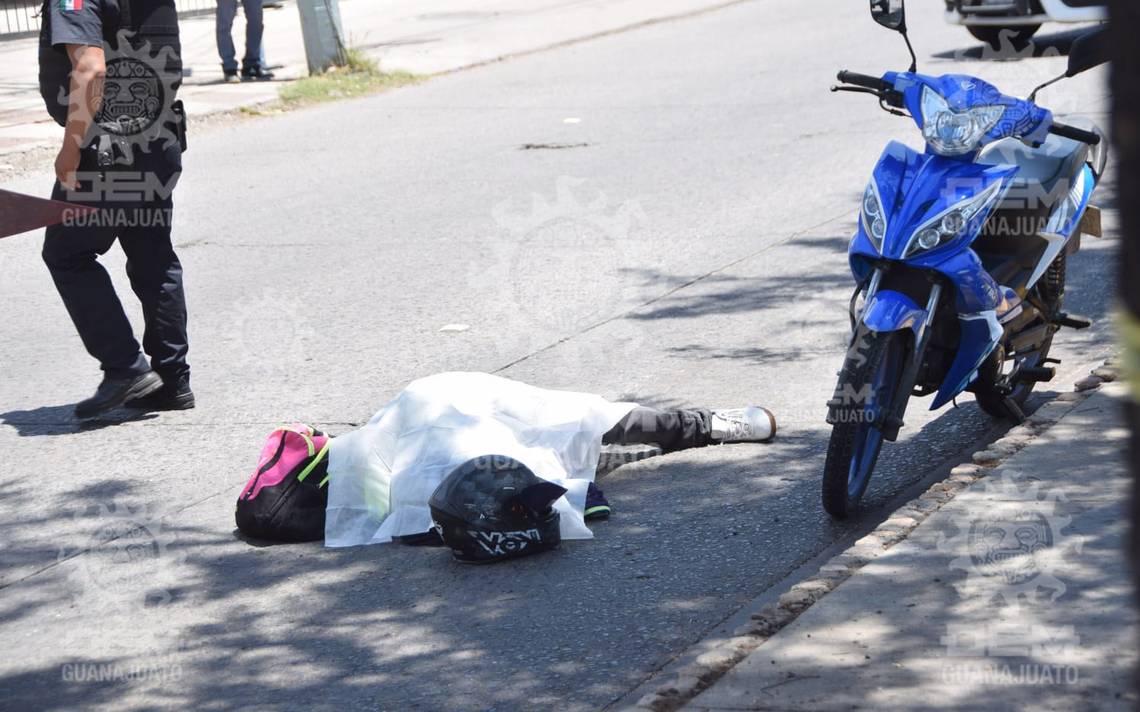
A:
1076	134
887	92
863	80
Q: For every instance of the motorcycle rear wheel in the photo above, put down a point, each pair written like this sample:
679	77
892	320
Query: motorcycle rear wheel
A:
875	370
1051	289
994	403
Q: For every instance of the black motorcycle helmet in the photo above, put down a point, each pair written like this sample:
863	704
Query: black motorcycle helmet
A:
494	508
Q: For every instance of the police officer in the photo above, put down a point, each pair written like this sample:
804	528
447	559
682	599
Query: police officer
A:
109	72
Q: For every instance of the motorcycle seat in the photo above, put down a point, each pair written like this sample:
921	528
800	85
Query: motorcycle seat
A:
1041	167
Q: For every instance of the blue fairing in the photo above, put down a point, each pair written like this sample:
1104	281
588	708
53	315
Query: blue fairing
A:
917	187
891	311
980	333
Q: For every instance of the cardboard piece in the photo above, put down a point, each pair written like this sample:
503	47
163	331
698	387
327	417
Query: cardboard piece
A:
21	213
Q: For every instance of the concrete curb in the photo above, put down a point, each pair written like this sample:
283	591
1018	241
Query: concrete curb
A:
711	665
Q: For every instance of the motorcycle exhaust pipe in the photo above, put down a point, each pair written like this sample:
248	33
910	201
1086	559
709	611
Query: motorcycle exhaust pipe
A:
1035	374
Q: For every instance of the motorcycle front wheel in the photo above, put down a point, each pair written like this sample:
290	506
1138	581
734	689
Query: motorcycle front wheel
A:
867	384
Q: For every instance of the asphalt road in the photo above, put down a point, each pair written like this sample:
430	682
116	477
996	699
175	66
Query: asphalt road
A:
686	245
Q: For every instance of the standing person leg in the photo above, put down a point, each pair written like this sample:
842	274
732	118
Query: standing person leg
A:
71	253
261	60
156	278
223	27
254	32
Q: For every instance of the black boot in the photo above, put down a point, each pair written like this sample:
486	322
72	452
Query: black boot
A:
114	392
175	394
256	74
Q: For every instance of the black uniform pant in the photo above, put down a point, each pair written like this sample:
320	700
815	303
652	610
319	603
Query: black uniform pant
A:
672	430
71	252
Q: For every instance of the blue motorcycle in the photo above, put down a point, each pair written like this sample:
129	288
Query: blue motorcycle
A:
959	255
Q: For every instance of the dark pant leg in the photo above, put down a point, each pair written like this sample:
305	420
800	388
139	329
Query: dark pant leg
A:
672	430
71	253
156	278
223	28
254	30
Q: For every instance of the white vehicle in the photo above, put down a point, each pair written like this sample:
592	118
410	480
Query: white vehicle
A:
1015	21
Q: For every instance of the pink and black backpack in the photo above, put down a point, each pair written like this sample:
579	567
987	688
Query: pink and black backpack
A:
286	497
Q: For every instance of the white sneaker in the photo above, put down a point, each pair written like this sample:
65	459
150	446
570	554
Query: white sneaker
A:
743	425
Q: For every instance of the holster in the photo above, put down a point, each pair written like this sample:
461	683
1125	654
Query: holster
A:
180	121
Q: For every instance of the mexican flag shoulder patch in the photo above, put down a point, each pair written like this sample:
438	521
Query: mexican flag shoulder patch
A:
70	5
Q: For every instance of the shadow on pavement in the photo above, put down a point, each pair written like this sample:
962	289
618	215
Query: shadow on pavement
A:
1053	45
694	536
61	420
727	294
891	634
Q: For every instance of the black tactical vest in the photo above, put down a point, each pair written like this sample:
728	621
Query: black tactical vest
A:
151	57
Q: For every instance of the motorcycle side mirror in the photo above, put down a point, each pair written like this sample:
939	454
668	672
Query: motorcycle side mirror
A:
892	15
1088	51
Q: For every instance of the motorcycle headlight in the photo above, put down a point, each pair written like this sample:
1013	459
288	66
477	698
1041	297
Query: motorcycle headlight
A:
952	223
952	133
874	217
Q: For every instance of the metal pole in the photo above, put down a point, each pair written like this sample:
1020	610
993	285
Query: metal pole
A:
323	34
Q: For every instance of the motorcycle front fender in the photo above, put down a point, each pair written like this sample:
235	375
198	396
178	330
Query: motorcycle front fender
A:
889	310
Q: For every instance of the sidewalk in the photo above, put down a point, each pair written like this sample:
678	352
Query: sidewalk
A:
419	36
958	615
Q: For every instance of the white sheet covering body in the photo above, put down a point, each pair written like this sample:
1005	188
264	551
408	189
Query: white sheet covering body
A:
382	474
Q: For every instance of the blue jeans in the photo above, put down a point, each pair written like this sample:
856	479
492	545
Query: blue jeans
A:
254	28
